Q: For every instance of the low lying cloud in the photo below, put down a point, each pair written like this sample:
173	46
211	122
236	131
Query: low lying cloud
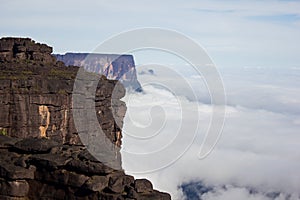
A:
258	154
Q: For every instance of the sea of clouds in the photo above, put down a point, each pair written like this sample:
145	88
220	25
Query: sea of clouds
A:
257	156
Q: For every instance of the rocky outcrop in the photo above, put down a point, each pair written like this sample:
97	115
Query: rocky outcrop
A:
42	156
114	67
25	49
35	95
35	168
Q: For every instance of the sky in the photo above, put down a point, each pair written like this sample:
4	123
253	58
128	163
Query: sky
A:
234	33
255	46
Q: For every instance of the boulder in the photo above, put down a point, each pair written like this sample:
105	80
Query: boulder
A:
89	167
143	186
17	188
96	183
35	145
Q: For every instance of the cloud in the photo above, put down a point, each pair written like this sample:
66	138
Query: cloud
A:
257	155
199	190
230	192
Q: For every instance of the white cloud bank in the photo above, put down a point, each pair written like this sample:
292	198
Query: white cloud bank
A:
259	148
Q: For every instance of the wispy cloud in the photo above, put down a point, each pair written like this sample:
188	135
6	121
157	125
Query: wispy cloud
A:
283	18
234	32
214	11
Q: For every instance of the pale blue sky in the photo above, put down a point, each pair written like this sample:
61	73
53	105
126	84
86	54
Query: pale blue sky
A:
234	33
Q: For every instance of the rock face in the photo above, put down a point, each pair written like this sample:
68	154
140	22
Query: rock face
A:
35	95
35	168
25	49
42	156
114	67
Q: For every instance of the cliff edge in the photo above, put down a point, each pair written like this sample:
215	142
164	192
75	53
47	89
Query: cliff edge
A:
42	156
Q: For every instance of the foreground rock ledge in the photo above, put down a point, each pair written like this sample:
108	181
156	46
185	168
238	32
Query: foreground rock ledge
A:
56	171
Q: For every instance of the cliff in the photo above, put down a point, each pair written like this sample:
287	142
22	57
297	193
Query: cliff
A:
114	67
42	156
36	91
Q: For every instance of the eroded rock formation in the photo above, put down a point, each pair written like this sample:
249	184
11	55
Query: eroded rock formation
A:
42	156
39	168
25	49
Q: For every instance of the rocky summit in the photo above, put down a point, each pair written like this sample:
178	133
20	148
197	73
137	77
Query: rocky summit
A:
42	156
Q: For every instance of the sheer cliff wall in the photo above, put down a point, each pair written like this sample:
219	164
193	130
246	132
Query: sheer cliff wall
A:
36	95
42	156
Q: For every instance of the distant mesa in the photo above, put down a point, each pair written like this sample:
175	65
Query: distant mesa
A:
113	66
